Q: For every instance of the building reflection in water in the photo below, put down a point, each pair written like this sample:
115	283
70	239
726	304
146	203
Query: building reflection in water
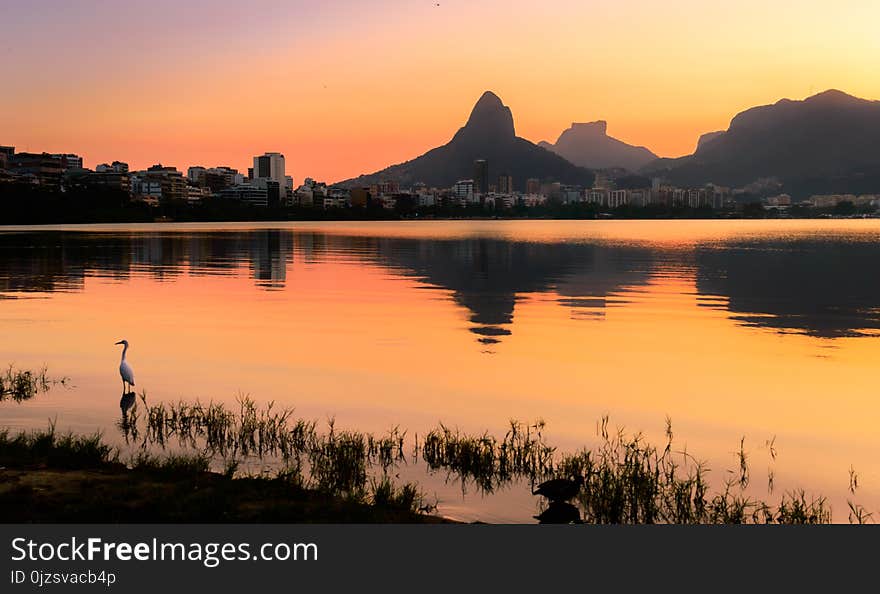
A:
824	289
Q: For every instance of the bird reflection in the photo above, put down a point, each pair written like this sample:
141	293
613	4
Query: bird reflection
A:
126	402
126	424
559	512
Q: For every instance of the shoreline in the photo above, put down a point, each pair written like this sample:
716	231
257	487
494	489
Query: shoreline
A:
116	494
283	222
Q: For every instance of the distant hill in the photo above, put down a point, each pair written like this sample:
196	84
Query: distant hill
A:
829	142
488	134
589	145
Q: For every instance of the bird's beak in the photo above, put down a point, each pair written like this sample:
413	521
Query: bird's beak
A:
120	342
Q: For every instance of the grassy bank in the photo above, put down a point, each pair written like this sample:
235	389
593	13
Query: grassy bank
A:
190	459
47	477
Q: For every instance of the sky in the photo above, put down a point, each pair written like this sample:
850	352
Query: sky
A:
348	87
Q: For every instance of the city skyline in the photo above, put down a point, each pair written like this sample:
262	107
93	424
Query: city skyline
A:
346	89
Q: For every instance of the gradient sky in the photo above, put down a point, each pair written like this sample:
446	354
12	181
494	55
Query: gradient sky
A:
348	87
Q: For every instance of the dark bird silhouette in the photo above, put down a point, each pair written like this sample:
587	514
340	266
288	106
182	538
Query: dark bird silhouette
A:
559	512
561	489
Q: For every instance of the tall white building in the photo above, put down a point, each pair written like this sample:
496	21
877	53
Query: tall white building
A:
270	166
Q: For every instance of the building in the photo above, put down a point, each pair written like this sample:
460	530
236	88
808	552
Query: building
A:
172	182
115	167
196	175
270	166
463	191
569	194
214	179
385	188
46	169
640	197
69	161
595	196
425	199
533	186
195	194
6	153
679	198
505	184
481	176
359	197
311	193
103	180
247	193
617	198
144	189
551	190
532	200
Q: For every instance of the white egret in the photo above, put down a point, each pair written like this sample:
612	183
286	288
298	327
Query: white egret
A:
125	369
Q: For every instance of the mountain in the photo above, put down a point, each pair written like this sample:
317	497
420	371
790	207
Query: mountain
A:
589	145
488	134
707	137
825	143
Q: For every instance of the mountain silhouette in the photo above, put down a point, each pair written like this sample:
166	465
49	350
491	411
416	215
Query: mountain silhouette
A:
708	137
588	145
825	142
488	134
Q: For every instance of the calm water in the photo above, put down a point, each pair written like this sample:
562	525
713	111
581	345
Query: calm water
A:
732	328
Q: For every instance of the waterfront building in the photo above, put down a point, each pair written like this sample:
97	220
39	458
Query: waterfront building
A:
617	198
270	166
45	168
247	193
106	180
595	196
640	197
171	181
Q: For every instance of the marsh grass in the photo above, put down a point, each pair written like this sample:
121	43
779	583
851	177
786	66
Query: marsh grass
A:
406	497
339	463
485	460
171	464
629	481
49	448
626	479
18	385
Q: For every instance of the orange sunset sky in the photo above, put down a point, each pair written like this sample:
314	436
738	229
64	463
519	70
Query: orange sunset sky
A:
349	87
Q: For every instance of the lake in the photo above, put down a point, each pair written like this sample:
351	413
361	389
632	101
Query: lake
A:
763	330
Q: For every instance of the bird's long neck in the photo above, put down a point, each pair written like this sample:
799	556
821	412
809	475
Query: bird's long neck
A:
124	348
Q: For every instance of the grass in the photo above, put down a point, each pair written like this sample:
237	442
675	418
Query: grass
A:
626	479
49	449
48	477
18	385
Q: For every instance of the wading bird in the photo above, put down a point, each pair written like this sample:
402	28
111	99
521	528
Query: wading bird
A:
125	369
560	489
